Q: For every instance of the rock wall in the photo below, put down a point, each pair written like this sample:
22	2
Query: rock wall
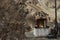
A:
13	19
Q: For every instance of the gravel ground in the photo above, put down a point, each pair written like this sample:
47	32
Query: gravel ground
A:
39	39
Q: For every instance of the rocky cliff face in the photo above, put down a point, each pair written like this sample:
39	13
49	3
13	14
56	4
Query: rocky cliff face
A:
13	16
12	19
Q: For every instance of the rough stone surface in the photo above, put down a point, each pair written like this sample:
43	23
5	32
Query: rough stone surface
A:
12	20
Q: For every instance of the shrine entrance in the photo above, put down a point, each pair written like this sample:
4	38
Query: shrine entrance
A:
41	23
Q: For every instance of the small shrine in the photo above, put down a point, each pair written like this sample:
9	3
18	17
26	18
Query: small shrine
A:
41	28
